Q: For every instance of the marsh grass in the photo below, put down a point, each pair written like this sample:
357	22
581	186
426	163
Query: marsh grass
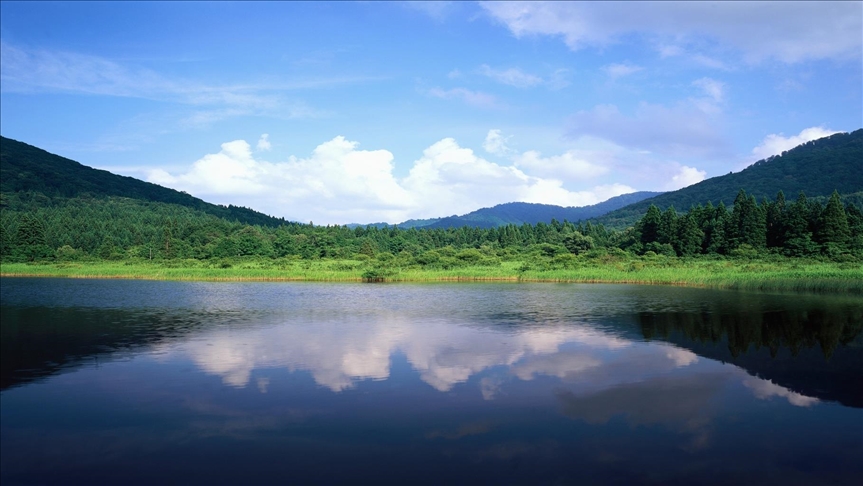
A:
774	274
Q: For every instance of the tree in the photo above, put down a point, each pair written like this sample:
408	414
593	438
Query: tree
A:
649	225
775	216
748	224
689	236
578	243
30	238
832	229
667	230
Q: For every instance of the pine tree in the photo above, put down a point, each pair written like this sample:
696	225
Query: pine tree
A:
748	224
832	229
667	231
797	240
775	215
689	236
649	225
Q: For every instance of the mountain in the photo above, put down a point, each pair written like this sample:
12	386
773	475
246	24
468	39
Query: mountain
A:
25	168
519	213
817	168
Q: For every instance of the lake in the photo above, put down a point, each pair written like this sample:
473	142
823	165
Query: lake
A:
147	382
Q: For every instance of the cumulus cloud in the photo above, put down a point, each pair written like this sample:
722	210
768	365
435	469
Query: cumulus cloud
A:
473	98
686	176
683	129
340	183
775	144
615	71
264	143
786	31
496	144
512	76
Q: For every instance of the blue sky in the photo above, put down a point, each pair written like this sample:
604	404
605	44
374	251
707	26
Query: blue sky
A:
364	112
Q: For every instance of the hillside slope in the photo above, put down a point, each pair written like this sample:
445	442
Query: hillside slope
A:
26	168
817	168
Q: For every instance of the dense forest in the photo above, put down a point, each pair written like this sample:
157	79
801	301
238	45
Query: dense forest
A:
35	227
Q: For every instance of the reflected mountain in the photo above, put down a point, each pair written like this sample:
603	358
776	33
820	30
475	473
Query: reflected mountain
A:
37	342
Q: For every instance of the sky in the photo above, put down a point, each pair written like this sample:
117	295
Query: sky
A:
368	112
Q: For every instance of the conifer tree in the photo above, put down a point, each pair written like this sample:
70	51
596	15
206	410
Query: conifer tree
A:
775	215
832	229
667	230
649	225
689	236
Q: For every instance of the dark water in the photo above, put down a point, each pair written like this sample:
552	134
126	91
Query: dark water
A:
136	382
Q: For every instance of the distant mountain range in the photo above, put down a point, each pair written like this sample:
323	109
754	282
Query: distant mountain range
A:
519	213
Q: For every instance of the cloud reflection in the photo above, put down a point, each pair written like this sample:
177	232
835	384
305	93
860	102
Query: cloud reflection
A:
765	389
340	354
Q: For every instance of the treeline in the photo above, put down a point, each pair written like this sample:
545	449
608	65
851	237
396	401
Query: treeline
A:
34	227
802	228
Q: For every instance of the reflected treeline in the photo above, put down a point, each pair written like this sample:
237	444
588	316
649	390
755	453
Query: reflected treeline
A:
816	351
36	342
771	329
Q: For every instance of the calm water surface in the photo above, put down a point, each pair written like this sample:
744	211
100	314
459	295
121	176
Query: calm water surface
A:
138	382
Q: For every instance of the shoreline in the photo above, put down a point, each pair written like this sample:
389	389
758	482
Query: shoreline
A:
759	275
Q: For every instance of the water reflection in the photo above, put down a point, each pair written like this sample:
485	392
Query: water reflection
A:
477	383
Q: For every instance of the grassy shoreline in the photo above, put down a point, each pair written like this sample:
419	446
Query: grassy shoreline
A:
785	275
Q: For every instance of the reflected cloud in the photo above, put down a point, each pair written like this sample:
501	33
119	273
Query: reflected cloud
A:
340	354
681	357
766	389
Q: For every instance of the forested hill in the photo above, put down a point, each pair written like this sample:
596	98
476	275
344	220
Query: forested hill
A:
520	212
817	168
24	168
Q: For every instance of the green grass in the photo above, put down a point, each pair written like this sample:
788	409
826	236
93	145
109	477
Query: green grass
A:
781	274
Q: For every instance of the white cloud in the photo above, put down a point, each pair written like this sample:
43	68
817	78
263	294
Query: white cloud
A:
454	74
264	143
496	144
339	183
571	165
615	71
685	129
686	176
473	98
774	144
512	76
787	31
765	389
